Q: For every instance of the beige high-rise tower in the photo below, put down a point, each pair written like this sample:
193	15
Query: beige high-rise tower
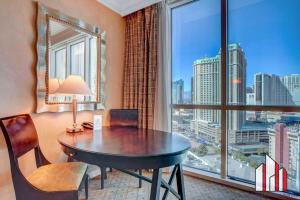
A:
207	86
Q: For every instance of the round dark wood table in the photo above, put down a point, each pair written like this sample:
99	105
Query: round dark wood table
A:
124	148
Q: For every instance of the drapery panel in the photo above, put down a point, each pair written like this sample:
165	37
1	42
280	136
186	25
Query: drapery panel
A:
141	60
162	108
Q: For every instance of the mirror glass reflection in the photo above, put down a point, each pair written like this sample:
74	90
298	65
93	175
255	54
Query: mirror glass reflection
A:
71	51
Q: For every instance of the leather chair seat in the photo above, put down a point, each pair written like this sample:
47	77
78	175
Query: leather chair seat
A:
58	177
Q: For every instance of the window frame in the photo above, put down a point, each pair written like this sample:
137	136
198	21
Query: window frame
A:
225	106
68	46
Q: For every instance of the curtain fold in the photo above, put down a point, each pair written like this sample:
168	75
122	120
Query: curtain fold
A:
141	61
162	108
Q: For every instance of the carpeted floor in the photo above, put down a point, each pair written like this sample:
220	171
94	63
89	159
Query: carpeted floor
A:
120	186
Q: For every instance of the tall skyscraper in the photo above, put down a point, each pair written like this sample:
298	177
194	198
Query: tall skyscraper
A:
292	83
207	86
261	88
207	91
178	91
192	90
236	93
270	90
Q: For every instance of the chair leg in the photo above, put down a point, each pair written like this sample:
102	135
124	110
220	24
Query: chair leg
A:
87	187
140	180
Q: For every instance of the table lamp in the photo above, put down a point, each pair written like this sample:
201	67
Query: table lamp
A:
74	85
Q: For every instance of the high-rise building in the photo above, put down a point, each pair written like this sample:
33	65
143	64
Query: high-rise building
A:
207	91
284	145
251	99
178	91
270	90
237	75
208	131
207	86
279	148
292	83
261	88
192	90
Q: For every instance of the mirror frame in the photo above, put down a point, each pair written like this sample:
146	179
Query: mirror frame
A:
42	45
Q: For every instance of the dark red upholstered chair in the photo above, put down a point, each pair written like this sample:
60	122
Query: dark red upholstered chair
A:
121	118
125	118
49	181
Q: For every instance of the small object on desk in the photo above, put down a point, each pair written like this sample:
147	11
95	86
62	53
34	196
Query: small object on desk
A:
88	125
75	86
97	122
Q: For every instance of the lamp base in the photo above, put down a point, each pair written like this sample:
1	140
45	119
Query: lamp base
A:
74	130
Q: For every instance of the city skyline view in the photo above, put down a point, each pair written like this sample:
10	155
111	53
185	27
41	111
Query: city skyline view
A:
263	69
260	47
289	89
150	99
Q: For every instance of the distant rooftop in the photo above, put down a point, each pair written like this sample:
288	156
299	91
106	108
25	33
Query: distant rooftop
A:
255	126
217	57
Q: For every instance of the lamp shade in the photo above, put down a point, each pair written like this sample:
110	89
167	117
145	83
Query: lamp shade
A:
74	85
53	85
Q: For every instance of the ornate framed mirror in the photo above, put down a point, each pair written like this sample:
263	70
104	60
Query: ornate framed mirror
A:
68	46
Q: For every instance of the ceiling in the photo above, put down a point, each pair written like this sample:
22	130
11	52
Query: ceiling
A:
128	6
56	27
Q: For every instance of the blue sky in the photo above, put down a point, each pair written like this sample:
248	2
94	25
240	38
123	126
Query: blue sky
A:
267	30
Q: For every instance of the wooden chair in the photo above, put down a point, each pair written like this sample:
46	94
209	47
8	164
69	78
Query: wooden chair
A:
125	118
49	181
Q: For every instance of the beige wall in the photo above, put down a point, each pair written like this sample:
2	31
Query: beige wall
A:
17	75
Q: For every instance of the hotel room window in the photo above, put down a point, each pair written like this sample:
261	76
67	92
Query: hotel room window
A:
60	64
196	80
77	58
260	114
267	74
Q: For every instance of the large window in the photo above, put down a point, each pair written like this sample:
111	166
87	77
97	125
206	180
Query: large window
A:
204	136
196	79
237	109
75	56
60	63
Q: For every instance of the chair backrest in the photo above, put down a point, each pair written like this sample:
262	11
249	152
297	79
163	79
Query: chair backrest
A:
20	134
124	117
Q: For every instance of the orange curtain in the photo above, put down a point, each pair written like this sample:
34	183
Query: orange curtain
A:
140	70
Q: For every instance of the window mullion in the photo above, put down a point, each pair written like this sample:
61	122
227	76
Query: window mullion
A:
223	88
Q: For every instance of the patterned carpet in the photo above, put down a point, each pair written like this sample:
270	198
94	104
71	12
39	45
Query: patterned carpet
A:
120	186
